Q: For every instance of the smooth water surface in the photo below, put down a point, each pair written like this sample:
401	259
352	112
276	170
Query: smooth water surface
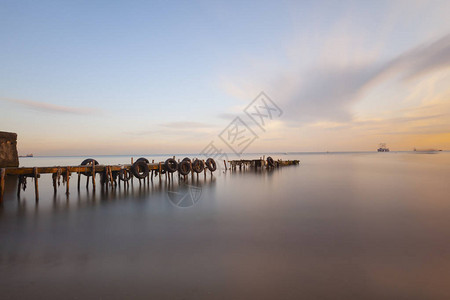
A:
339	226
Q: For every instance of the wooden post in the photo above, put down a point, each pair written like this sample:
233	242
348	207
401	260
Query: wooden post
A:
54	183
79	178
152	171
19	186
36	185
67	180
204	170
159	171
93	176
111	177
132	177
2	183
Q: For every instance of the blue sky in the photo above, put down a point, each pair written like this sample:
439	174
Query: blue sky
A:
122	77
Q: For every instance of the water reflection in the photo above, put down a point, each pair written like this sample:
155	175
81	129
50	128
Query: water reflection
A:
85	197
341	226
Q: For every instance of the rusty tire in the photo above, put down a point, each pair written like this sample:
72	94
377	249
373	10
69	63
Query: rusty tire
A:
143	159
184	167
171	165
140	169
198	166
211	164
88	162
270	162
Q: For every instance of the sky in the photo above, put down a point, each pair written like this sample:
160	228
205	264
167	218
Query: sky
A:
127	77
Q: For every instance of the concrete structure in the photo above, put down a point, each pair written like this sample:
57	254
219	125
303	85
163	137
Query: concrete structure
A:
8	150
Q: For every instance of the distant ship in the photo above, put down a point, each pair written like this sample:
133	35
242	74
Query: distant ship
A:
383	148
28	155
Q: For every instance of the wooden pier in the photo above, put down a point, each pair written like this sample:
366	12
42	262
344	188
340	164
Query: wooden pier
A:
260	163
113	174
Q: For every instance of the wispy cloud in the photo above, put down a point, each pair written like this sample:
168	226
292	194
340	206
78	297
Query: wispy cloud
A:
418	61
51	108
186	125
329	92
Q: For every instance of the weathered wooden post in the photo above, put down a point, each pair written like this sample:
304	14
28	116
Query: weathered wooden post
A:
151	177
36	185
67	180
54	182
159	172
111	177
87	181
2	183
93	176
204	170
79	178
18	185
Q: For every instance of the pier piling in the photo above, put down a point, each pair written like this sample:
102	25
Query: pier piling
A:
36	184
2	183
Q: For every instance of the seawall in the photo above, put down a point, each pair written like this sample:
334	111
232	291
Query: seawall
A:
8	150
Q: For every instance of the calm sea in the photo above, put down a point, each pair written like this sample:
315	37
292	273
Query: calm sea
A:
338	226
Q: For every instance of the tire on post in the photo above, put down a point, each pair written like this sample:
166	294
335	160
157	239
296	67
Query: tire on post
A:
140	169
184	167
142	159
198	166
88	162
171	165
211	164
270	162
